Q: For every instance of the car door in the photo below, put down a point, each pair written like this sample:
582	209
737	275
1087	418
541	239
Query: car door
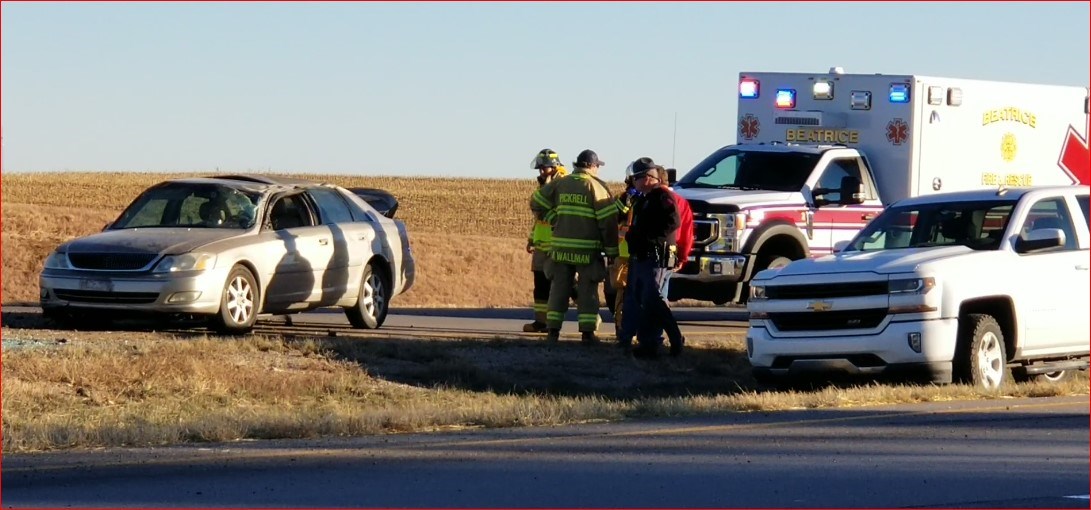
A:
341	277
304	247
1053	295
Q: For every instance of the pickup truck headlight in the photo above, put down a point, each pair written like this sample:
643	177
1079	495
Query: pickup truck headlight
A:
57	260
757	292
911	285
186	262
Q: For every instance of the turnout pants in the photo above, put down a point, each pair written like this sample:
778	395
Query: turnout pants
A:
587	278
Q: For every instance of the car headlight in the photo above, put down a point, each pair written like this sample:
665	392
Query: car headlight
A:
57	260
186	262
757	292
911	285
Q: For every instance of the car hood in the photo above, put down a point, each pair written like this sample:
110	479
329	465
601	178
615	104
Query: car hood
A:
168	241
881	261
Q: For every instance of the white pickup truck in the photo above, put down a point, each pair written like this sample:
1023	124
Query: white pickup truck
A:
968	287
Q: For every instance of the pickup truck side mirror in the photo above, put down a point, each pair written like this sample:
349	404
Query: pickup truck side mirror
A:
672	176
852	190
1039	240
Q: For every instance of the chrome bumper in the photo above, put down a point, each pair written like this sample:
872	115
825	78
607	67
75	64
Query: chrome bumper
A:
716	268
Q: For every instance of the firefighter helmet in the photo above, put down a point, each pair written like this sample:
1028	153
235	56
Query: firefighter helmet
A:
546	158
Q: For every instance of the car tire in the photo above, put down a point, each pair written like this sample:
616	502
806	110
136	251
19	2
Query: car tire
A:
371	306
980	356
1049	377
238	302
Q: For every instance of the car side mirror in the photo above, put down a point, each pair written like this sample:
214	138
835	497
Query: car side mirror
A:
852	190
840	246
672	176
1040	240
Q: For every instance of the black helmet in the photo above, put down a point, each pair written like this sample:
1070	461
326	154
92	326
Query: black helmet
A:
544	158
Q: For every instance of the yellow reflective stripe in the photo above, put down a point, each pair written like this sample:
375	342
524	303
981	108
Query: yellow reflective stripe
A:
541	200
587	317
578	211
568	242
554	316
611	251
540	307
605	212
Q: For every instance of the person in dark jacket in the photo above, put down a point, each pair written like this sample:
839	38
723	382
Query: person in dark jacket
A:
652	240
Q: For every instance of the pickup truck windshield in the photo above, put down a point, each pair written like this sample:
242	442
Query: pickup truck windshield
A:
977	225
735	168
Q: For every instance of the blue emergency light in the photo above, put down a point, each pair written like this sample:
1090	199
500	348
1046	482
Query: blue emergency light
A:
749	89
899	93
786	98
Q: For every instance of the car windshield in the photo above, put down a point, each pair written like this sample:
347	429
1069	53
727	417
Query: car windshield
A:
977	225
736	168
190	205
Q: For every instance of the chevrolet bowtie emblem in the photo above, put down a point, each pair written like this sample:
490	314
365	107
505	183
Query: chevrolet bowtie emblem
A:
820	306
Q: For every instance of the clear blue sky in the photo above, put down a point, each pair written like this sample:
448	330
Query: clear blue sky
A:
468	89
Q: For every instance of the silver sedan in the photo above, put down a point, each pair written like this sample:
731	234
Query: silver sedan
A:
232	247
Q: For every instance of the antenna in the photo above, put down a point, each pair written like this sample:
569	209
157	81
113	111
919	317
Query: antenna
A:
674	143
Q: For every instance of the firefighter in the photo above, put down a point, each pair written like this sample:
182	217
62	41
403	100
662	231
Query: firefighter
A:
584	218
619	270
549	167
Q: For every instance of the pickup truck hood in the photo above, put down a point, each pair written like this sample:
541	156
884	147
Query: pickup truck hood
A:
881	262
168	241
741	198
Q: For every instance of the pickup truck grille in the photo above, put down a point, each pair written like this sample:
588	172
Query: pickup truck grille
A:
825	321
828	290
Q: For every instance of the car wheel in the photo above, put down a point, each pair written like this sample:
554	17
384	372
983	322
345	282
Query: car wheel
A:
374	301
238	303
980	356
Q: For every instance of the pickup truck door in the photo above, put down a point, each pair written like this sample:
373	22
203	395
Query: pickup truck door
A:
1055	293
837	221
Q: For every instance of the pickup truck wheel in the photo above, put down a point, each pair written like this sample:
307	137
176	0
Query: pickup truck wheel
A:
980	358
1050	377
775	262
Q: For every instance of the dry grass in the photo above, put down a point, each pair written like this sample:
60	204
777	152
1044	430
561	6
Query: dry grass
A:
140	389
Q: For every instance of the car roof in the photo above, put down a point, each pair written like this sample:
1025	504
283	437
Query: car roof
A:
1013	194
251	182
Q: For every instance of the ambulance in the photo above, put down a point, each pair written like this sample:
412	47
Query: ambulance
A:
819	155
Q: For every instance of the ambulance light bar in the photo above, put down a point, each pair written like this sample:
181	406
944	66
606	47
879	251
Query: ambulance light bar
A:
786	98
899	92
749	89
823	89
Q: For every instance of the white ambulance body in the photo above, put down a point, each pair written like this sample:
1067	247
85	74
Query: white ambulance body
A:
818	155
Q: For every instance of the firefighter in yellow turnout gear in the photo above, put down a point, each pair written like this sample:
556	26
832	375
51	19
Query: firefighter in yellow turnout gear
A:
549	167
584	218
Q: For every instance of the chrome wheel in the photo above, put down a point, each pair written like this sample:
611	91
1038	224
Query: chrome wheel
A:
374	295
990	360
240	300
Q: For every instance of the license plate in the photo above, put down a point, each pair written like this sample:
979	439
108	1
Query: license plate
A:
96	285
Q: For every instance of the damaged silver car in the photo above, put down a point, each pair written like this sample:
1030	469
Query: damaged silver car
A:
229	248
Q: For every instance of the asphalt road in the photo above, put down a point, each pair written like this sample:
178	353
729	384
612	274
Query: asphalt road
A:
480	322
1003	453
